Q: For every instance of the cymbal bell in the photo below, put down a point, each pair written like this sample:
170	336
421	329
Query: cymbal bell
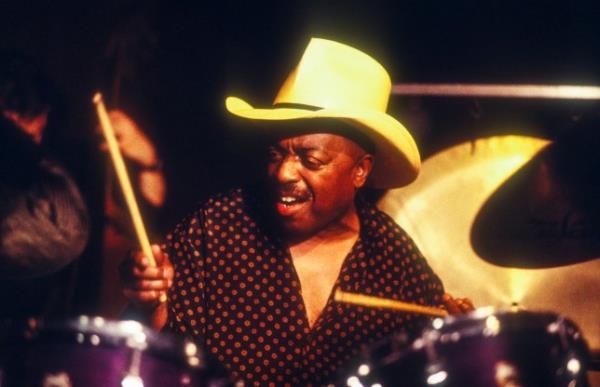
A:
439	209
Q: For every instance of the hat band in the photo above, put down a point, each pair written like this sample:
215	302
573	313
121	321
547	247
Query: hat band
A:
293	105
338	126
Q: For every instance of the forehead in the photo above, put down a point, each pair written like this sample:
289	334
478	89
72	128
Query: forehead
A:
319	141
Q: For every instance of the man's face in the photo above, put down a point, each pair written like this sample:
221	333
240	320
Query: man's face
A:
314	178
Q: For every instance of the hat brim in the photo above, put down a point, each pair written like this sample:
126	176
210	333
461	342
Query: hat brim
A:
397	160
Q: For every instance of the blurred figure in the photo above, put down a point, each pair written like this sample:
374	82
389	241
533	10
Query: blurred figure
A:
44	224
44	221
137	148
129	60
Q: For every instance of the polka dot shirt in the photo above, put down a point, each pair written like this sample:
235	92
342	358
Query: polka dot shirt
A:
236	290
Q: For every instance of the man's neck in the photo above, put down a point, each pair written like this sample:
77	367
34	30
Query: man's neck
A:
345	227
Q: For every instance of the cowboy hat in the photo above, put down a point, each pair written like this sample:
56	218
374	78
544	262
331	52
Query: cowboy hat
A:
337	81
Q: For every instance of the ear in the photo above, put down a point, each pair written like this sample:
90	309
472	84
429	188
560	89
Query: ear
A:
362	169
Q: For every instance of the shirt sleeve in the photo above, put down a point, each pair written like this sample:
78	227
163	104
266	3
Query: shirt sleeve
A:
422	282
420	285
418	282
186	305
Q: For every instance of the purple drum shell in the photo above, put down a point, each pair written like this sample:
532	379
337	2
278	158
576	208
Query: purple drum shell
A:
90	351
483	349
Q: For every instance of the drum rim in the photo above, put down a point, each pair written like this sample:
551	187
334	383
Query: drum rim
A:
491	321
86	330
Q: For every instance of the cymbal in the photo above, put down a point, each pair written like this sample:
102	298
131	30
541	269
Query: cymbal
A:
547	213
439	208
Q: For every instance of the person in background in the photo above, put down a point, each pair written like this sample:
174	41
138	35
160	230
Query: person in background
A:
44	222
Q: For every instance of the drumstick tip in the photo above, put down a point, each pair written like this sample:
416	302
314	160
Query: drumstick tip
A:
338	295
97	97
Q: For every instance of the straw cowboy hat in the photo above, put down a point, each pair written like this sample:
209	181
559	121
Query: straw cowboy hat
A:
337	81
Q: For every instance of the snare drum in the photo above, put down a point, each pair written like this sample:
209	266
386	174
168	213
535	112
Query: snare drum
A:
94	352
484	349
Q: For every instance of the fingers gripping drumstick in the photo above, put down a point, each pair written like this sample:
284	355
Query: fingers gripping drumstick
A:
377	302
124	181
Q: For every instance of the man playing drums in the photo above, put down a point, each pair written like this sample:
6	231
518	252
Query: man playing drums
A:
251	273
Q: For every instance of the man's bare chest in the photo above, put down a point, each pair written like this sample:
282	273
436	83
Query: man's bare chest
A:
318	271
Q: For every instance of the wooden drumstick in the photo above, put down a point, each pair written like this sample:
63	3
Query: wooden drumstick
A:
124	181
123	177
377	302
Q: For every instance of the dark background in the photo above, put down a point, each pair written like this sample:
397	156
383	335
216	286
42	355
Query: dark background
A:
175	62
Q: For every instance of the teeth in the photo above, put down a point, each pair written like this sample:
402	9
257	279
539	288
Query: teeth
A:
288	199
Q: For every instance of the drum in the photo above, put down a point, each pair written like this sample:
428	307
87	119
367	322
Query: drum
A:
484	349
94	352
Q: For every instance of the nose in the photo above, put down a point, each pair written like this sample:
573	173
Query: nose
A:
287	170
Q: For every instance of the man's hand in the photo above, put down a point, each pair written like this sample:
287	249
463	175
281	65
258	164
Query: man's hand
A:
146	286
457	306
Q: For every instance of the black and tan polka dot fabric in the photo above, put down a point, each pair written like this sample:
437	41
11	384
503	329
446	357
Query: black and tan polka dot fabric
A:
236	289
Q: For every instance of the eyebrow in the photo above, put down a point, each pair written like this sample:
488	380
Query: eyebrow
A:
300	147
310	148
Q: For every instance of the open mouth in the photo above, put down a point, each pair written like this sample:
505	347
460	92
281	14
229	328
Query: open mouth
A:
289	204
